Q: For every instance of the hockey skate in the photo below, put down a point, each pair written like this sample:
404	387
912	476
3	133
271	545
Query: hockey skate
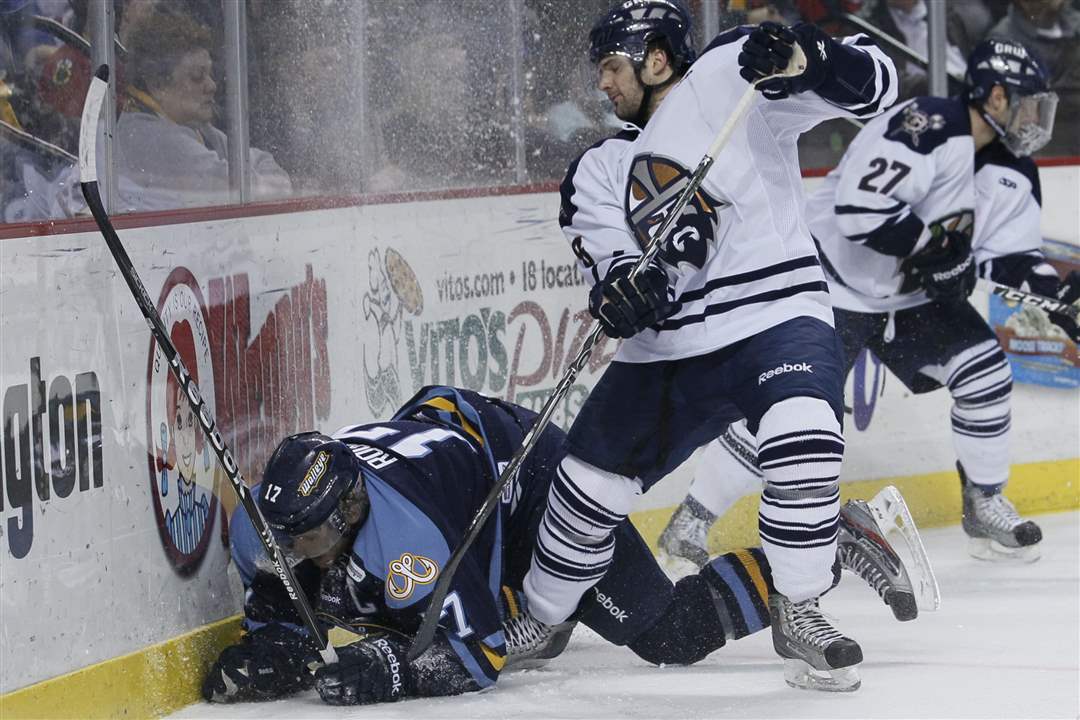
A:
816	656
864	550
683	547
995	530
531	643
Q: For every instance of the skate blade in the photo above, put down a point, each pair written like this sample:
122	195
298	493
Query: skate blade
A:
892	514
799	674
993	551
675	566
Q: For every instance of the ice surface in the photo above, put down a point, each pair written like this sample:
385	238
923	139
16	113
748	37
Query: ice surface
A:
1005	644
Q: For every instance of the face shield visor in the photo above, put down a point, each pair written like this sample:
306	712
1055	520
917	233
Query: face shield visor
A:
316	543
1030	123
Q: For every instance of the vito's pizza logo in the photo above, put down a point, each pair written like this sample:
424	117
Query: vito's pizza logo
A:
407	572
183	468
654	185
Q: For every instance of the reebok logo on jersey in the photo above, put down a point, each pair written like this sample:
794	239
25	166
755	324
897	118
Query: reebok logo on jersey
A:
785	368
611	607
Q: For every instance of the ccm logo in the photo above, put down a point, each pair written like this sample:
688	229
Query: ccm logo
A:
785	368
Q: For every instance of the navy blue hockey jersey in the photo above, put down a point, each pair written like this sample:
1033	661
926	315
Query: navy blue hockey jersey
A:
426	473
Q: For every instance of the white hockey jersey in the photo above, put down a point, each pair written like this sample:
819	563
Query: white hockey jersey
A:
740	258
905	171
1008	237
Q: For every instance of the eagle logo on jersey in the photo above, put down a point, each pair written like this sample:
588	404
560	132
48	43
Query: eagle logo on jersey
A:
916	122
407	572
653	187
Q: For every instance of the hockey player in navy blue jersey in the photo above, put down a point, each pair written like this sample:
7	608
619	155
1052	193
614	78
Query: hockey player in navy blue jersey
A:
370	515
734	318
895	226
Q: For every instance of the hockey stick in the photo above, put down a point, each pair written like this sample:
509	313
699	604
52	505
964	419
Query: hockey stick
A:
95	96
1011	294
426	632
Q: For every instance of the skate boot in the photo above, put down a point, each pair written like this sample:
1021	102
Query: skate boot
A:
684	543
864	550
531	643
816	656
995	530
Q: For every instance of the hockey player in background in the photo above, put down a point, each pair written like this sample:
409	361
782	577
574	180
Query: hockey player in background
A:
733	320
894	223
370	516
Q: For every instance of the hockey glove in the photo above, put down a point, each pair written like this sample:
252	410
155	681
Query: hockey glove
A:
947	271
269	663
625	307
768	49
1068	292
368	671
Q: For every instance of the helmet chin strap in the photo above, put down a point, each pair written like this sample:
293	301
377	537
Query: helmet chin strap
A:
642	115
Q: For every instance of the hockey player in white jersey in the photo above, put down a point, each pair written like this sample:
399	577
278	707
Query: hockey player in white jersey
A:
893	222
733	321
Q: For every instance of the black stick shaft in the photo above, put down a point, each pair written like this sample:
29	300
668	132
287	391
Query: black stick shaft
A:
88	134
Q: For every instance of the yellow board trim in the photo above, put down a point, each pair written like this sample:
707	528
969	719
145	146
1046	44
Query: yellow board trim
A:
148	683
163	678
934	500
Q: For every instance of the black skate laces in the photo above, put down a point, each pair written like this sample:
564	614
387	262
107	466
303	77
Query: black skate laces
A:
809	625
865	568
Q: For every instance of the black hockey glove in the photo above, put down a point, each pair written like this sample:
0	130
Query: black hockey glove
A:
768	49
368	671
625	307
947	271
269	663
1068	292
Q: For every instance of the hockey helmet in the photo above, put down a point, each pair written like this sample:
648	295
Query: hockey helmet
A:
1026	81
305	483
629	27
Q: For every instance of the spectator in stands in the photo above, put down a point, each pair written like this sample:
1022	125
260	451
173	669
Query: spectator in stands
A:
905	20
1052	29
168	152
968	21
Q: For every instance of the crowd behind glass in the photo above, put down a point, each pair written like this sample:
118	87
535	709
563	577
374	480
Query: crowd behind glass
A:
352	97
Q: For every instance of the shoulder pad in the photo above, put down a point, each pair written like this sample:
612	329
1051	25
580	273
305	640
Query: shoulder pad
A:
729	36
926	123
997	154
566	187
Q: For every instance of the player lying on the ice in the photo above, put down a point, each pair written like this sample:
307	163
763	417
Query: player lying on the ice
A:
371	515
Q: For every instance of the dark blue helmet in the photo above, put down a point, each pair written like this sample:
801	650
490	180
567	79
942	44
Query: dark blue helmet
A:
305	481
629	27
1000	61
1029	123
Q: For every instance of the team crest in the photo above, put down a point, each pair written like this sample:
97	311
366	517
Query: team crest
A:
653	187
916	122
407	572
183	470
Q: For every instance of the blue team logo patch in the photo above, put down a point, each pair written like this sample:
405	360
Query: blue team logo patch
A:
652	188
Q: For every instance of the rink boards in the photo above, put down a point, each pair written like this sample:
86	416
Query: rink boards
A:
112	509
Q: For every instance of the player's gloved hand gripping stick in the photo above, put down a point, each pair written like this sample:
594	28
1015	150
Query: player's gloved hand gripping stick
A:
426	632
88	176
